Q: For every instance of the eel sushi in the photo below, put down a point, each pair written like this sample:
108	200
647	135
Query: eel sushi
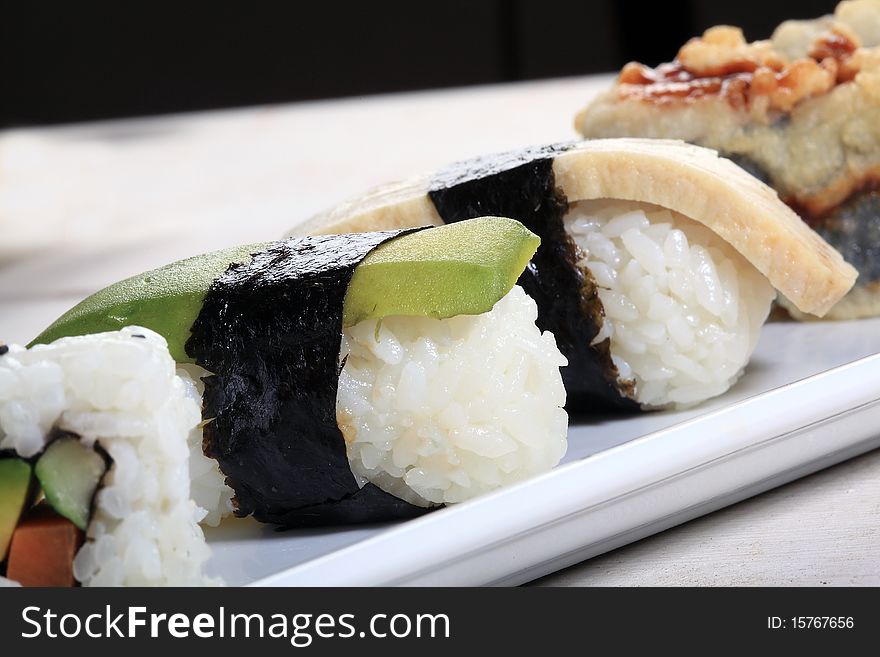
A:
344	378
104	426
658	260
801	111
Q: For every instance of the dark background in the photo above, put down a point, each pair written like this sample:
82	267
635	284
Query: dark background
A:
74	61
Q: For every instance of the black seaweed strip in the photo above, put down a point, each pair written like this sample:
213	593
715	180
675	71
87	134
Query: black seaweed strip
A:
853	228
270	331
521	185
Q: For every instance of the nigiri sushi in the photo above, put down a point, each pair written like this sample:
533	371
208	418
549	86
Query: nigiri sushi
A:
341	379
658	260
801	111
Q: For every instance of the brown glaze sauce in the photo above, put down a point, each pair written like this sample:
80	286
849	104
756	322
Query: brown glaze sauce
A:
741	78
832	44
670	83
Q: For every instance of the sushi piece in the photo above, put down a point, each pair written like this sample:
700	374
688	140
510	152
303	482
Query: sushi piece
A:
102	424
356	378
657	265
800	111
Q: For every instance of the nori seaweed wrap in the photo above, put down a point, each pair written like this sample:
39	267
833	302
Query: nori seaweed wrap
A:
269	332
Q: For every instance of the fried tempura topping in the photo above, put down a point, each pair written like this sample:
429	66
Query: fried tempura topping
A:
754	76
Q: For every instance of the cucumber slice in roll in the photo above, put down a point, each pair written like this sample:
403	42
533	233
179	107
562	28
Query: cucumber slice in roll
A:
70	473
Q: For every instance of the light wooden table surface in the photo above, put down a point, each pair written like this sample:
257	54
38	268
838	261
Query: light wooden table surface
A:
83	206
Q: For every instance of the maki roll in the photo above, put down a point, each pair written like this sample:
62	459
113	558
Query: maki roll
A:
658	260
800	111
104	427
354	378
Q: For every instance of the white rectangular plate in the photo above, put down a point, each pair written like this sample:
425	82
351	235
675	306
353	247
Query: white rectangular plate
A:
809	398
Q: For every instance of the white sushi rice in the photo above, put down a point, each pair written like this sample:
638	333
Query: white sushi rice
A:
439	411
119	389
683	309
208	487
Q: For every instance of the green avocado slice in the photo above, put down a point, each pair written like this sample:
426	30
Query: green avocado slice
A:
458	269
15	491
69	473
